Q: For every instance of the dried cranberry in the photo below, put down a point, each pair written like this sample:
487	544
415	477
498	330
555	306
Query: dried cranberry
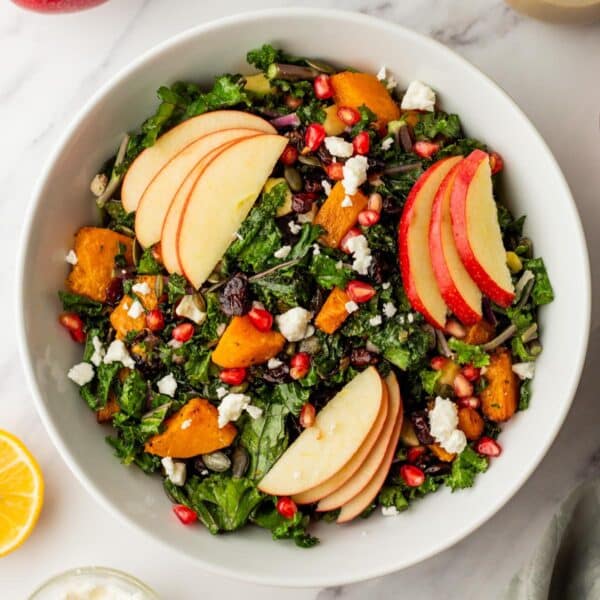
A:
302	202
390	205
420	422
312	186
279	374
380	269
361	357
235	297
114	291
324	155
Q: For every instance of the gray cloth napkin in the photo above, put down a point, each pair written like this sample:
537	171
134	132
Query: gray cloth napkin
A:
566	564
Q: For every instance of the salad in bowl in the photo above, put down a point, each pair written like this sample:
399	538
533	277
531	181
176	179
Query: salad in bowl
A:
304	299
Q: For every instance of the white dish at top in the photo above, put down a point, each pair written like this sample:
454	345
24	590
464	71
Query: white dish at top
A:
534	186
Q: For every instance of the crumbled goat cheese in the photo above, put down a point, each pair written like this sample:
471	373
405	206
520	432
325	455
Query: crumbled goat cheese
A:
443	423
346	202
186	424
355	173
117	352
99	352
175	344
274	363
71	257
136	310
337	146
418	96
167	385
141	288
326	187
282	252
524	370
310	331
387	143
383	75
389	310
306	217
351	306
293	324
221	392
175	471
316	249
294	227
231	408
81	373
375	321
410	317
389	511
188	309
386	285
98	184
361	253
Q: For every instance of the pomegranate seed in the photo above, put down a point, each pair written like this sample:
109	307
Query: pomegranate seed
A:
286	507
375	202
348	115
155	320
412	476
183	332
300	365
74	325
261	319
496	163
463	388
186	515
335	171
307	415
415	453
289	155
425	149
471	373
469	402
488	447
362	143
234	376
322	86
359	291
314	136
351	234
438	363
368	217
454	328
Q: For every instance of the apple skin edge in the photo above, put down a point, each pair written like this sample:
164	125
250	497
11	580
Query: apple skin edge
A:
451	294
403	246
458	204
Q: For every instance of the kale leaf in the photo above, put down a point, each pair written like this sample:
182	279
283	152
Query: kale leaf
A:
266	516
431	125
176	287
469	353
292	395
542	292
133	395
148	265
465	468
96	392
328	271
264	56
197	366
80	304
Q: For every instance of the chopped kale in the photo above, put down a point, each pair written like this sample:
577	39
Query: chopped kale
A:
431	125
469	354
465	468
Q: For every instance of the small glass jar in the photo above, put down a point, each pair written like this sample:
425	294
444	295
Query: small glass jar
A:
83	581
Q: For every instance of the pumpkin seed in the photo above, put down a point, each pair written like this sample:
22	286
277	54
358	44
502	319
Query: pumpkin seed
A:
240	462
294	179
239	389
290	348
159	286
199	301
310	161
216	461
319	65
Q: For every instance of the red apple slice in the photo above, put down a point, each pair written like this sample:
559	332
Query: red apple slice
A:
320	451
359	503
221	199
360	481
477	231
152	159
156	199
344	474
458	290
413	243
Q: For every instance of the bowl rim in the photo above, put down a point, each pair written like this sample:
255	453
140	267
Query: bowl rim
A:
288	579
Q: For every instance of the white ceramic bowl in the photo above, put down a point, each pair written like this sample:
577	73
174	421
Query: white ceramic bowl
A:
533	184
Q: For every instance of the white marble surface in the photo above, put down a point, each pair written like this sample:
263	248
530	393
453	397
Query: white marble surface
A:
50	65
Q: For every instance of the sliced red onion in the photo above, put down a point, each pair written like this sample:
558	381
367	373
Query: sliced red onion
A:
500	339
291	120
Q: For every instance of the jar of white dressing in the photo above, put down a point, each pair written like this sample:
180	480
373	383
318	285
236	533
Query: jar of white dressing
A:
94	583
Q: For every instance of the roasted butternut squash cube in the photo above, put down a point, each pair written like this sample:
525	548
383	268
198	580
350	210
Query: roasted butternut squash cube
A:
356	89
96	249
333	313
480	333
120	318
470	423
337	220
242	345
499	400
202	434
